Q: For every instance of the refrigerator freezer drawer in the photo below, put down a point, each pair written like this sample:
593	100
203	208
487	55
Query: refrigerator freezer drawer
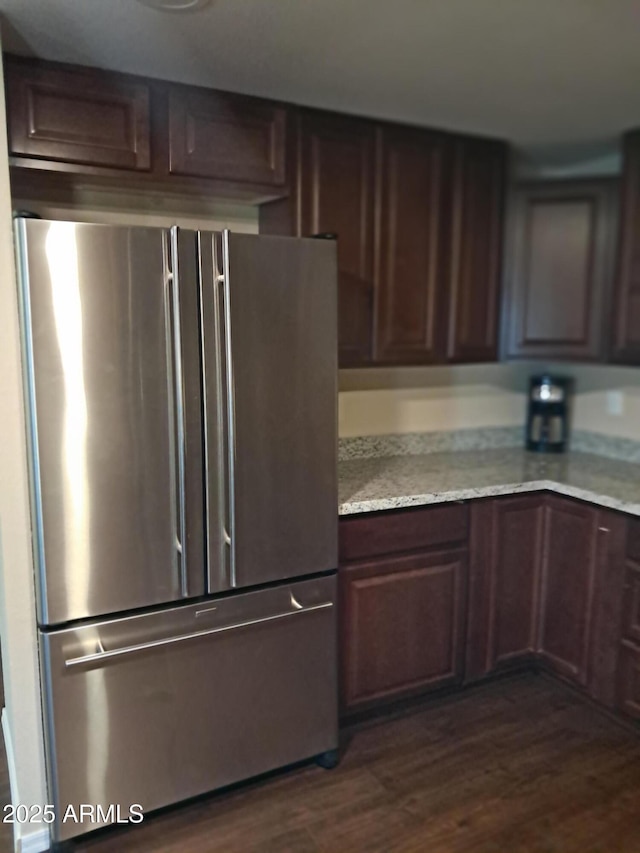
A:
156	708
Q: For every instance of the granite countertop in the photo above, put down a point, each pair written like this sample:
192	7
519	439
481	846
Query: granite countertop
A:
391	482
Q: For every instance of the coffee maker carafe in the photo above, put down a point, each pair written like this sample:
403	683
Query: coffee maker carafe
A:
547	421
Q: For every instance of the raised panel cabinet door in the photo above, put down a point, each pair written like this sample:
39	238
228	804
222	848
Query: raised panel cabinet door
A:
560	267
336	197
567	589
409	293
77	115
475	250
608	605
626	316
227	137
403	625
504	583
629	680
631	603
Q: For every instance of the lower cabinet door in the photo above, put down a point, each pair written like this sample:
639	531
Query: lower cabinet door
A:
629	679
504	574
568	582
403	626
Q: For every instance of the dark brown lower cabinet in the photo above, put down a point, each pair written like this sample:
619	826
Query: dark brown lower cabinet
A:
567	586
403	626
505	561
629	680
486	587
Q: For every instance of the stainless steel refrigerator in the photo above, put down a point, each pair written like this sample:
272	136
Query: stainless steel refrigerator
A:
182	398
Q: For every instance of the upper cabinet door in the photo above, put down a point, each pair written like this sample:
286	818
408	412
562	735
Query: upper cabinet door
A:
226	137
88	117
475	250
626	332
336	189
409	265
560	265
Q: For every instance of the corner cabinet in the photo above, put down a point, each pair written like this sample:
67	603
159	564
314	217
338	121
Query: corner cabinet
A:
506	550
435	597
567	587
625	348
560	263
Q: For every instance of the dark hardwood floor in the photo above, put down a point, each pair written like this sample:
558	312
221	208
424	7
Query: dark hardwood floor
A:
518	766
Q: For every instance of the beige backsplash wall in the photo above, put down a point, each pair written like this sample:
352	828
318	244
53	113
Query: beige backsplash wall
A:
378	401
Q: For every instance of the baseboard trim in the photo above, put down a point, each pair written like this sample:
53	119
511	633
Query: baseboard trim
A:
39	840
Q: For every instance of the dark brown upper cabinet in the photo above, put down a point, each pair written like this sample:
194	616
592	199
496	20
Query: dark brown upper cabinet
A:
475	250
412	175
336	197
67	121
77	116
333	194
559	270
226	137
418	219
626	316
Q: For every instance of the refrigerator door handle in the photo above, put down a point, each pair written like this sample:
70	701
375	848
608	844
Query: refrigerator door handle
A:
173	278
102	654
229	532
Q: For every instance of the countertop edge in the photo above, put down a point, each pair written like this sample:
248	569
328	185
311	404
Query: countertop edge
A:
404	501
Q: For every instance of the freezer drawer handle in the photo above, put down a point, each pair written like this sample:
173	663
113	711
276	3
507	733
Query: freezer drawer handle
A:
127	650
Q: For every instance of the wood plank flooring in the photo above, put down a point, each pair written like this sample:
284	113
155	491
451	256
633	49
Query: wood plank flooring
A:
519	766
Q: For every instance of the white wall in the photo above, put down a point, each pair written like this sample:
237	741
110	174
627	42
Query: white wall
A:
22	720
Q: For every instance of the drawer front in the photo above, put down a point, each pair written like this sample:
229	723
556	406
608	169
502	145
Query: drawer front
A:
88	118
226	137
629	680
408	530
157	708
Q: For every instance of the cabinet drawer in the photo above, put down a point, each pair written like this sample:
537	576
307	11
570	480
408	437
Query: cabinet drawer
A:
409	530
85	117
226	137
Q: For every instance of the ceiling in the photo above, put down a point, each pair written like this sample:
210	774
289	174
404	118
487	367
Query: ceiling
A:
562	73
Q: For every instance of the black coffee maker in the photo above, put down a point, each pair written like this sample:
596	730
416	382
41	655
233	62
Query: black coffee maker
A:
548	417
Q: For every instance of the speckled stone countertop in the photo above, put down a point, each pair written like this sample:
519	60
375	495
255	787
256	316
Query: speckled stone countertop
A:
391	482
